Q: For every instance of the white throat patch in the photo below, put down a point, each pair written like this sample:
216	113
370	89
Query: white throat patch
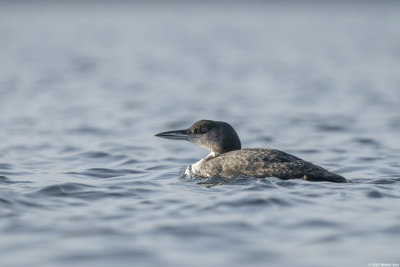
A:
195	168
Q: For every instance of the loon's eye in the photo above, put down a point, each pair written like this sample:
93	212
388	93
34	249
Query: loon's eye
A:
201	131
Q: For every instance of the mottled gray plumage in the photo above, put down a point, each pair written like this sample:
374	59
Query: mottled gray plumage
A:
264	162
227	159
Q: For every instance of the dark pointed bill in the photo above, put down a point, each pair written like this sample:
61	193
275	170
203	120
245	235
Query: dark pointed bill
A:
175	135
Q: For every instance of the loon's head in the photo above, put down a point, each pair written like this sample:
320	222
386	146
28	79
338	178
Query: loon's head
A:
217	136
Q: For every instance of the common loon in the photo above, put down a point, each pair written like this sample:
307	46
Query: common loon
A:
227	159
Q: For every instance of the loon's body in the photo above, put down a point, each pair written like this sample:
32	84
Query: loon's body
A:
227	159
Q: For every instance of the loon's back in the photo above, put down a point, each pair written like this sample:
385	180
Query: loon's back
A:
265	162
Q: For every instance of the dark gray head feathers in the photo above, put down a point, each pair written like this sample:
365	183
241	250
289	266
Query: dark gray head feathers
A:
217	136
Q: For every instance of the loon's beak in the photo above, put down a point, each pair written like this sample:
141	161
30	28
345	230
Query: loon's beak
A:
176	135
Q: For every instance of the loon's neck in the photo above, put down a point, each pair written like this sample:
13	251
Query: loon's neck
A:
210	156
195	168
197	165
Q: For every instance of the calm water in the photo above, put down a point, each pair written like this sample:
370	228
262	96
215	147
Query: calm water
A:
84	87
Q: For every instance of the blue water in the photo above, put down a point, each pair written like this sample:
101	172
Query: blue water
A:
84	86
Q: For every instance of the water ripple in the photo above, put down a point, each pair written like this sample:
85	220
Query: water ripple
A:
61	190
317	223
4	180
84	182
5	166
106	173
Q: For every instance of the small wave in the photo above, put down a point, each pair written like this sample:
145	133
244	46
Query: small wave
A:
87	130
261	185
379	194
5	201
328	239
5	166
129	162
369	159
61	190
95	154
253	201
287	184
367	141
4	180
374	194
393	229
313	223
384	181
12	173
308	151
215	180
83	64
99	155
331	128
68	149
349	169
158	167
80	191
106	173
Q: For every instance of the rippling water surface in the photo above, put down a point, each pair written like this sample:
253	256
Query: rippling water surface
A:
84	87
